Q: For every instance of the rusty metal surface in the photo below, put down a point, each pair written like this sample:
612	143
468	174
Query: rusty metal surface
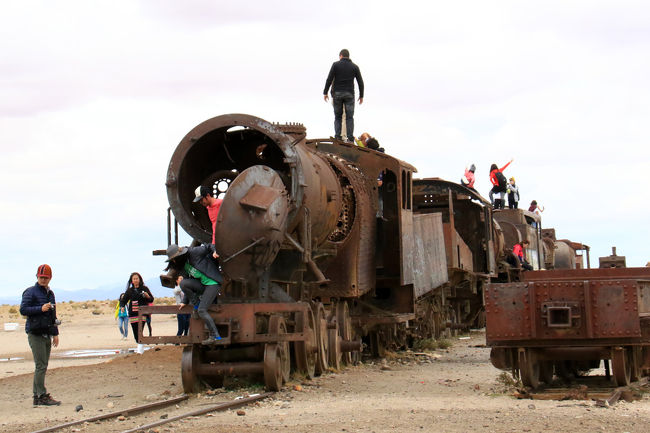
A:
571	312
589	274
236	323
430	268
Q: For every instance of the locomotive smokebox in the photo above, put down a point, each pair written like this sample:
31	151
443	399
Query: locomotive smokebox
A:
274	190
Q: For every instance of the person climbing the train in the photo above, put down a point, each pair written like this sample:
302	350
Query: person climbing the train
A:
205	198
513	194
469	178
201	281
519	250
499	184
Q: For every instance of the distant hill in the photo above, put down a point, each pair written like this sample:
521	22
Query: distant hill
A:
110	291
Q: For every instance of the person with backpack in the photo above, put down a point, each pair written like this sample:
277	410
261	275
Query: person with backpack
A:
499	184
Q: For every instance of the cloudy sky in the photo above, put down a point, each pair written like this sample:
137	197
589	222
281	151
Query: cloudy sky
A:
95	95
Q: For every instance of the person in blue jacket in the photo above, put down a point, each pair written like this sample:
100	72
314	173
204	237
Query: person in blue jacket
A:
39	306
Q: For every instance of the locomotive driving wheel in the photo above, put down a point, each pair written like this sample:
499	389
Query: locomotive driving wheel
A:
191	359
334	342
322	343
345	327
277	326
622	365
529	369
189	367
306	351
272	367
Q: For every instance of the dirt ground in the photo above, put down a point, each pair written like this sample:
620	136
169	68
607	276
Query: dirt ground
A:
453	390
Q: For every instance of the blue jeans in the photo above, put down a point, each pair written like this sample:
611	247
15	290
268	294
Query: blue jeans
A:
123	325
183	324
340	100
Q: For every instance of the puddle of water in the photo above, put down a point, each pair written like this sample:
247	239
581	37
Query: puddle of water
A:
95	353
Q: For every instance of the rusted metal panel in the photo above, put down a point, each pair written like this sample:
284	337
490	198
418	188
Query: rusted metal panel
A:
407	243
588	274
507	312
615	311
563	312
430	267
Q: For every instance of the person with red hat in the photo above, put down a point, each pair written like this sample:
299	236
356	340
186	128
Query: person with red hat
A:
39	306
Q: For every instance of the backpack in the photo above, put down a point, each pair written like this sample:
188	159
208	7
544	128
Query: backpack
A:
502	181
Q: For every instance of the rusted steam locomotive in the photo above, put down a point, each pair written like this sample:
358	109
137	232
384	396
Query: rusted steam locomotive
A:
321	257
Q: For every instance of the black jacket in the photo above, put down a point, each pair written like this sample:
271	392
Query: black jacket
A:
135	297
201	258
39	322
343	73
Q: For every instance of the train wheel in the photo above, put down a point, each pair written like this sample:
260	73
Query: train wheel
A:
189	367
320	320
621	365
345	327
546	371
305	351
272	367
277	326
334	342
529	368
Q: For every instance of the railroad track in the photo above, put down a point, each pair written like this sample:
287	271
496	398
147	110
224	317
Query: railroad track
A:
594	388
146	408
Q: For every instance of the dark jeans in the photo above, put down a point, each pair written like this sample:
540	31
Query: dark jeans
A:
340	100
193	289
41	346
183	324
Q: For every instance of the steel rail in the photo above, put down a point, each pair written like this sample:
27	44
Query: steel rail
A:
220	406
125	412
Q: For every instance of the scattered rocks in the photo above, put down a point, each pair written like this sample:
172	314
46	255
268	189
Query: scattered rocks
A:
164	416
151	397
110	405
531	407
121	418
78	408
297	388
241	412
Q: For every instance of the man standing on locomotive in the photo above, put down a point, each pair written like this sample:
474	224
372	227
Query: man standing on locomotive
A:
39	305
201	280
341	78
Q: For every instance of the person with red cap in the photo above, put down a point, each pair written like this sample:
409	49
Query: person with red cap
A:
39	306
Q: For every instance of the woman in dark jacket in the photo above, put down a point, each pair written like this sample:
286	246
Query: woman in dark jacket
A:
136	294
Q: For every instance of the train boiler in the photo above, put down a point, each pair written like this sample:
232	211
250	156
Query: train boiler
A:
317	253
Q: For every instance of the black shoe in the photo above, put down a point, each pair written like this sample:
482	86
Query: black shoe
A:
46	400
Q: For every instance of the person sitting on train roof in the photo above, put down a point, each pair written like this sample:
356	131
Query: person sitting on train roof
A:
361	141
499	183
519	250
204	196
469	178
513	194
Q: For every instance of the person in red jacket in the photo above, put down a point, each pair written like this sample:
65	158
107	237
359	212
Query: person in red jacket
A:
499	188
212	204
519	250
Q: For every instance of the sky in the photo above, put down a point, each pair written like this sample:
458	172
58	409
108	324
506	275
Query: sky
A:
95	96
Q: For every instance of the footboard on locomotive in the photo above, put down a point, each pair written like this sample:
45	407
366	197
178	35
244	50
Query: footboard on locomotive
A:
566	321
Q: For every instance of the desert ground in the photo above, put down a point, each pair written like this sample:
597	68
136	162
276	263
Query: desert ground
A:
453	389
